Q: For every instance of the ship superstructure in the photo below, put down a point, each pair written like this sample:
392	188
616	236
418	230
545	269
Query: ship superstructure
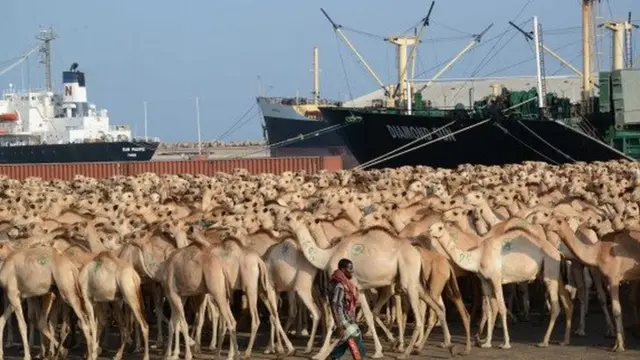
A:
44	126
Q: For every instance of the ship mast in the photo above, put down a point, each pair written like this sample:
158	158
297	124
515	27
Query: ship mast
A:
46	36
587	89
316	77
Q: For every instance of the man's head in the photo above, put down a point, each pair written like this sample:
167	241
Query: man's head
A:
346	266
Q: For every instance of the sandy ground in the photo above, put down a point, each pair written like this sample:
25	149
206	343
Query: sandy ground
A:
524	336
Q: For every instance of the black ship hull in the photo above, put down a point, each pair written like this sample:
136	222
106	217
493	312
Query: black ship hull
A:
78	152
283	137
286	134
371	135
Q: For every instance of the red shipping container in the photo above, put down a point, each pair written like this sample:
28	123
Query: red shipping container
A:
206	167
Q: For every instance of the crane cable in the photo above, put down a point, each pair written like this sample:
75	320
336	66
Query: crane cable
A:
388	156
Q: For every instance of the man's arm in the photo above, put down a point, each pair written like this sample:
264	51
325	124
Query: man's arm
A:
337	307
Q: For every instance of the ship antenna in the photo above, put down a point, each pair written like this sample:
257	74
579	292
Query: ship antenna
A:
46	36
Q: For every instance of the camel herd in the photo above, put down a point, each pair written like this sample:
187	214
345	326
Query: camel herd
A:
174	249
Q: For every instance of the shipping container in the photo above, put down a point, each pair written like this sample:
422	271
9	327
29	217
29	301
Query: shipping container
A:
206	167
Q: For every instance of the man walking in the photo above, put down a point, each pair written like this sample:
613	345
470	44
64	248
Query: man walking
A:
344	300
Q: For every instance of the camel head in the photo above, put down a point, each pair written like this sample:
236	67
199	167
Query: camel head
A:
456	214
541	217
376	218
474	198
437	230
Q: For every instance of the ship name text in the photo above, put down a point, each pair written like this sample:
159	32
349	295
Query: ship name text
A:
132	149
417	132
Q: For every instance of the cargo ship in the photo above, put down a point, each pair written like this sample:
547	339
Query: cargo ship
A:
399	127
295	127
40	126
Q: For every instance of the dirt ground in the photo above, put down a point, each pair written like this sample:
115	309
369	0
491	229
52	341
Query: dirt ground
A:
524	336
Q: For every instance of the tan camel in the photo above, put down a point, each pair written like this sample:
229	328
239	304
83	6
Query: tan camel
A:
44	267
401	261
291	272
615	255
102	280
439	275
515	256
193	271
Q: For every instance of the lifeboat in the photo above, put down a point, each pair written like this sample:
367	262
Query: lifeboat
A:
11	116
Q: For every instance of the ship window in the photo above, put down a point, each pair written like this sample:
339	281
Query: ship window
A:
633	141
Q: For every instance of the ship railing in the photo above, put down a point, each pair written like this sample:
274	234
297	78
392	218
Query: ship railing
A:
300	101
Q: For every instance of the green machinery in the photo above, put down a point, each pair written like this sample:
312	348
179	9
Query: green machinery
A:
524	106
620	94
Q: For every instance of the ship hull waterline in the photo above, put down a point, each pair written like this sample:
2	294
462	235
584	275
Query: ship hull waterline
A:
122	151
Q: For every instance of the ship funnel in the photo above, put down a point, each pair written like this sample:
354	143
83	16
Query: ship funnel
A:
75	90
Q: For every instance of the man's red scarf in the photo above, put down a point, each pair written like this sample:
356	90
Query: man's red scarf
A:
351	292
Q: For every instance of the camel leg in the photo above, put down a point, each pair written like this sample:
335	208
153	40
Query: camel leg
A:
61	311
306	297
552	291
502	310
6	315
399	317
293	311
158	301
251	294
368	315
466	319
32	308
214	317
582	279
326	348
43	324
133	298
614	289
170	337
176	327
486	314
119	317
383	297
567	305
598	281
526	305
225	311
490	313
415	295
199	321
14	301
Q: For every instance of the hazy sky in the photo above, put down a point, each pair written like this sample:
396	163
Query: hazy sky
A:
169	53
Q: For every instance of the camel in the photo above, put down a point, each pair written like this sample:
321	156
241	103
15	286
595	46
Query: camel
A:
614	255
44	267
401	261
192	271
103	279
290	272
514	256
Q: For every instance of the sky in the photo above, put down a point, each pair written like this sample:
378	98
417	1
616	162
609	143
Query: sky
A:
167	53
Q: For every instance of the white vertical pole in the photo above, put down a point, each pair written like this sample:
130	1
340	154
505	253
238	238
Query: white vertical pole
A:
198	126
145	122
536	39
316	77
